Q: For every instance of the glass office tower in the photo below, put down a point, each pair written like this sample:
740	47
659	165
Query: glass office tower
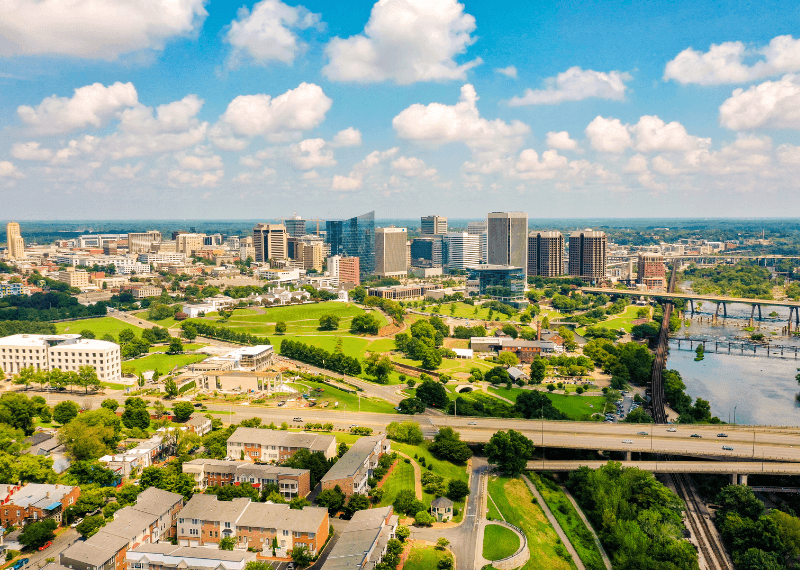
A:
503	283
354	238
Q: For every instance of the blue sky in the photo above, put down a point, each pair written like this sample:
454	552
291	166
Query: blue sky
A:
186	108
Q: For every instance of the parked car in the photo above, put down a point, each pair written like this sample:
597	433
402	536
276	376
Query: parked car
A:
696	435
672	430
297	419
722	435
727	448
46	545
20	563
76	523
642	433
627	441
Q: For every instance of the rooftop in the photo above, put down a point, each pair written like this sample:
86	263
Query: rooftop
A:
349	464
311	441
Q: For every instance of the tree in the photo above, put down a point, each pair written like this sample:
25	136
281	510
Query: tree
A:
280	327
189	331
402	532
328	322
411	406
497	375
342	449
90	525
442	543
301	556
86	333
757	559
405	432
365	324
175	346
333	499
110	404
126	336
37	534
227	542
86	472
510	451
508	358
64	412
457	489
538	370
739	499
135	414
92	434
379	367
431	359
534	404
159	409
510	330
424	518
298	503
17	411
356	502
170	387
182	411
433	394
447	445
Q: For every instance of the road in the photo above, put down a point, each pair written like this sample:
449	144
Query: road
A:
719	467
693	296
60	544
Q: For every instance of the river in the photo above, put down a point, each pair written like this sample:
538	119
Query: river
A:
762	389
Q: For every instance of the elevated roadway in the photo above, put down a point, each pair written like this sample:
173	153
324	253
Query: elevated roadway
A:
692	296
718	467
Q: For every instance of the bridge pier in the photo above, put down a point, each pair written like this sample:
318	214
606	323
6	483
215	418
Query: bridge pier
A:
759	312
752	312
691	305
627	456
739	479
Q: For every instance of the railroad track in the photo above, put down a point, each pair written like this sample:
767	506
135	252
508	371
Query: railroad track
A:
660	362
713	552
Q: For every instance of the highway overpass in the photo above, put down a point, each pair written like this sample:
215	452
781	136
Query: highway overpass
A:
692	296
717	467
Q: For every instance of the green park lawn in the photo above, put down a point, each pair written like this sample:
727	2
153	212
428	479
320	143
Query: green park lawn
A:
164	363
465	311
622	321
333	395
444	468
576	407
499	542
187	346
100	327
401	479
424	558
516	503
570	521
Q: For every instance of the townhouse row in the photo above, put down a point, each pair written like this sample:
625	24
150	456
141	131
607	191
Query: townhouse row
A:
219	472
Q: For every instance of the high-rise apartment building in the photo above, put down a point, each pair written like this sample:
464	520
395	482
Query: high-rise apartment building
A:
463	250
295	226
652	271
345	269
188	243
587	254
354	237
16	245
433	225
140	242
508	239
481	229
390	252
270	242
545	254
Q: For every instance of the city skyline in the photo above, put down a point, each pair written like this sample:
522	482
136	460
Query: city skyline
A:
591	110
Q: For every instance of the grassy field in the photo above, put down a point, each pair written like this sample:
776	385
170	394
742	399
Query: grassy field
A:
622	321
465	311
499	542
516	502
451	365
576	407
162	362
401	479
333	395
424	558
572	524
100	327
444	468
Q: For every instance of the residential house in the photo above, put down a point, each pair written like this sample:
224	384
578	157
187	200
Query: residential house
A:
355	467
217	472
198	425
24	504
362	544
273	446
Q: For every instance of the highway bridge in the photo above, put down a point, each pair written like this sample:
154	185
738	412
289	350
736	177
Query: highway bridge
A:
692	297
718	467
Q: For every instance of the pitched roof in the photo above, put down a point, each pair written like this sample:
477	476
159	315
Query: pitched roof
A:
441	503
349	463
310	441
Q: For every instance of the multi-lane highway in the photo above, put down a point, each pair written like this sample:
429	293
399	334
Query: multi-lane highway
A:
718	467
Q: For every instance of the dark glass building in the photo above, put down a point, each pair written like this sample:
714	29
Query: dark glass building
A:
503	283
354	238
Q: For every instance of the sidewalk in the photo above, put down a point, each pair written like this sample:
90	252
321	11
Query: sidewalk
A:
602	550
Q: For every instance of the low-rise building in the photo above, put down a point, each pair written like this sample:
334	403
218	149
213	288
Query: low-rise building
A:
79	279
143	291
442	509
219	472
273	446
526	350
166	556
403	292
67	352
24	504
199	425
268	528
8	289
351	472
143	455
362	543
243	381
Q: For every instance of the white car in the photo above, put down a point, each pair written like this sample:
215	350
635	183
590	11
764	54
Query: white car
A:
627	441
673	430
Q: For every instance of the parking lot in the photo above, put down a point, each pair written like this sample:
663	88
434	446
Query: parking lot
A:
623	408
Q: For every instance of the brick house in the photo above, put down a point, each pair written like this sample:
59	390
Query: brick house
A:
217	472
23	504
353	469
276	446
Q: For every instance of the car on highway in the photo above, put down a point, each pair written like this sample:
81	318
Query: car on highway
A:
297	419
20	563
472	423
727	448
627	441
46	545
672	430
722	435
642	433
696	435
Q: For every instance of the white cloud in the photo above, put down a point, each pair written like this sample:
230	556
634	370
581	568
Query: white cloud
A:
87	144
789	154
92	105
126	172
298	109
576	84
772	104
347	137
509	71
97	29
341	183
664	166
439	124
636	164
561	141
529	166
405	41
249	161
653	135
195	179
608	135
310	154
310	175
30	151
725	62
191	162
8	169
268	32
360	171
413	168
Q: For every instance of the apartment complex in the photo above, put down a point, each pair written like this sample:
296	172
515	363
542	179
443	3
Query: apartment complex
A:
257	526
462	250
139	242
587	254
390	252
16	245
652	271
167	556
151	519
24	504
508	239
270	242
353	469
433	225
545	254
345	269
188	243
272	446
218	472
66	352
73	277
362	544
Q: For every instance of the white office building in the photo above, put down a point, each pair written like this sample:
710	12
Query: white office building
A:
463	250
67	352
481	229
